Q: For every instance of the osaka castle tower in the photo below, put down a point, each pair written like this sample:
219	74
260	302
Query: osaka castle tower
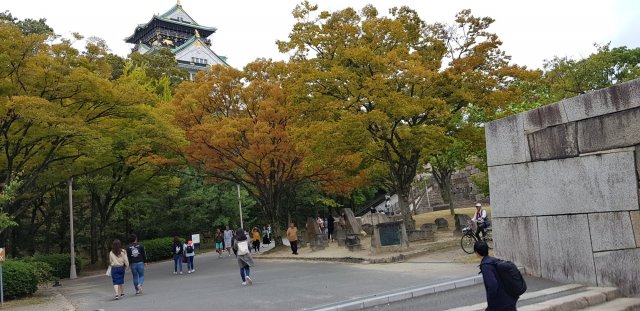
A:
177	31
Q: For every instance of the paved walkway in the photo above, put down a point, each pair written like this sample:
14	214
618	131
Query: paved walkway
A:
278	284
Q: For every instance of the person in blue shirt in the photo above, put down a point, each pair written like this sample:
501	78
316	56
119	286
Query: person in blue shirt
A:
497	298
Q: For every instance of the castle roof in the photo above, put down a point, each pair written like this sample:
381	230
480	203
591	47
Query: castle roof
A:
174	17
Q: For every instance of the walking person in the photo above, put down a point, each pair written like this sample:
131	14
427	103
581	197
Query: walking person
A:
292	236
269	232
119	263
265	236
330	227
178	251
497	297
137	260
245	262
228	236
219	243
255	237
190	253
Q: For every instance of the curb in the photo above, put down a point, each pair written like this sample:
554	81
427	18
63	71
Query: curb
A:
390	259
385	298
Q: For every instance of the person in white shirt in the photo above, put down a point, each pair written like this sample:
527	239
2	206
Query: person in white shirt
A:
480	217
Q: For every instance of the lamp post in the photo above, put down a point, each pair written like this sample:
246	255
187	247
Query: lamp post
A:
72	272
240	207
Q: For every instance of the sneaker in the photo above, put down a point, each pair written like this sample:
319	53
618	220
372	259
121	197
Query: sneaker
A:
189	272
121	295
249	281
180	272
117	297
140	289
175	272
243	284
137	293
193	270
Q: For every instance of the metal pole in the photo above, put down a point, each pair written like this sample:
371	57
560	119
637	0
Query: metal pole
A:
240	207
1	286
72	272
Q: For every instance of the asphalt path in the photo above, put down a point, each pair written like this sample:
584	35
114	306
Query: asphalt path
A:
278	285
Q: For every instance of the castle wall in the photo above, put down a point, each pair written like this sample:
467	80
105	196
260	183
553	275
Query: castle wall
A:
564	188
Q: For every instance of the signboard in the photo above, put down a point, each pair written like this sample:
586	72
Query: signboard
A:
195	238
2	254
389	233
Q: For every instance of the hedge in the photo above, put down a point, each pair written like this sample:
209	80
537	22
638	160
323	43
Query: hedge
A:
158	249
19	278
60	263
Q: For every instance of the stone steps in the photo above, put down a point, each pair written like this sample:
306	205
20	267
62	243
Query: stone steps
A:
593	296
620	304
529	296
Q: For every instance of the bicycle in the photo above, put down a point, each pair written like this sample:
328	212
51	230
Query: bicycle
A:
469	238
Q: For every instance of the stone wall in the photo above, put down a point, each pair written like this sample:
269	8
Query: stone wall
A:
564	188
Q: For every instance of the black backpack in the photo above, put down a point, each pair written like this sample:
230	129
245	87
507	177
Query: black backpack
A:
189	249
510	278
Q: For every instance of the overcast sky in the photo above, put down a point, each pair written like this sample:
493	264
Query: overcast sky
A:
531	30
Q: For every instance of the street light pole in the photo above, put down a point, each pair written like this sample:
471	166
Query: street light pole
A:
72	272
240	207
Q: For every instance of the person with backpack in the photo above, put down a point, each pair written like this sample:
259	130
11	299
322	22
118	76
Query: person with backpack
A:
178	251
503	282
245	262
190	253
137	261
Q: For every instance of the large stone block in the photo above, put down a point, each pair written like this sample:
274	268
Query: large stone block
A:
565	249
635	224
506	141
595	183
554	142
611	231
517	240
543	117
608	132
619	268
616	98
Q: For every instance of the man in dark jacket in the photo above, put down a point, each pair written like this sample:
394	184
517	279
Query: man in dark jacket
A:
497	298
137	260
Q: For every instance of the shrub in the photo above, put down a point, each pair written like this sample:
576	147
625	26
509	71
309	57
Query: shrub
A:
19	279
43	272
158	249
60	263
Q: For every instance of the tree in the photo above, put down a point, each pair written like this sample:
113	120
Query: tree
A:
376	76
477	82
240	127
567	77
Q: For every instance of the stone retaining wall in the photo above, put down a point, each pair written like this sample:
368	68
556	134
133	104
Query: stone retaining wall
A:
564	188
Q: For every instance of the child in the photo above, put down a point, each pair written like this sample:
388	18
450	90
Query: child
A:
219	239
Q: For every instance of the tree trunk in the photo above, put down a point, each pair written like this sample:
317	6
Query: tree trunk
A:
449	195
403	204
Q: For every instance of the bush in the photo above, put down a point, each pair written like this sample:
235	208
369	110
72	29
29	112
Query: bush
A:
43	272
158	249
60	263
19	278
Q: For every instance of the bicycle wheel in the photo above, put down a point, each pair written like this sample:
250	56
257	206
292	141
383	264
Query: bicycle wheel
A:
466	242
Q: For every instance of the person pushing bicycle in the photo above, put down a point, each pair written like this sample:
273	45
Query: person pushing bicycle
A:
481	218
